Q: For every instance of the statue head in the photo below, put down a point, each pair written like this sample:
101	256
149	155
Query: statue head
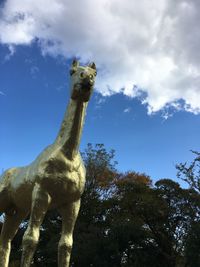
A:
83	78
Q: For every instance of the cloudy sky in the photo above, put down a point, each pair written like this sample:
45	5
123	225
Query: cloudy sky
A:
146	103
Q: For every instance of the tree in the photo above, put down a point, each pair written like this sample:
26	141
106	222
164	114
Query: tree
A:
125	221
127	228
150	225
149	244
192	246
89	242
190	174
182	209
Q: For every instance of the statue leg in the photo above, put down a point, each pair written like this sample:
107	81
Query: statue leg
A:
4	199
8	232
69	215
40	203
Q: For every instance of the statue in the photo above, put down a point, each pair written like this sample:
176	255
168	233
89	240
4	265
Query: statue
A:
54	180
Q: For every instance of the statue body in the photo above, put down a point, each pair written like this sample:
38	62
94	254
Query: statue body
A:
54	180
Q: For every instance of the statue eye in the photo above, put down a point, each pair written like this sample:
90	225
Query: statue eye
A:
82	74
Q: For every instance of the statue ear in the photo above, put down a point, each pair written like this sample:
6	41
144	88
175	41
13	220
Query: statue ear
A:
74	66
92	66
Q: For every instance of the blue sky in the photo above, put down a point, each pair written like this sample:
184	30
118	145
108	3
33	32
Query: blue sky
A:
146	103
34	95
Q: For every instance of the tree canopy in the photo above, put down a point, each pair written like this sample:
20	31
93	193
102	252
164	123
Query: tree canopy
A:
125	220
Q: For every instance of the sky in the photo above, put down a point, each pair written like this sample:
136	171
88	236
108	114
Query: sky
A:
146	103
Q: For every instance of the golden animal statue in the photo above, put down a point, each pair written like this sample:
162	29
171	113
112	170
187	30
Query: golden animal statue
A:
54	180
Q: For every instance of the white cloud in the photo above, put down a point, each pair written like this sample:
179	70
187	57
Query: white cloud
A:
34	70
2	93
127	110
99	101
10	53
137	45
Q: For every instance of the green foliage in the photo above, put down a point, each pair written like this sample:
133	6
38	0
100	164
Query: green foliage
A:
125	221
192	246
183	207
89	241
190	174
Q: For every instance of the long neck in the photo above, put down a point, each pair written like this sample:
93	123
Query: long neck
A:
71	129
